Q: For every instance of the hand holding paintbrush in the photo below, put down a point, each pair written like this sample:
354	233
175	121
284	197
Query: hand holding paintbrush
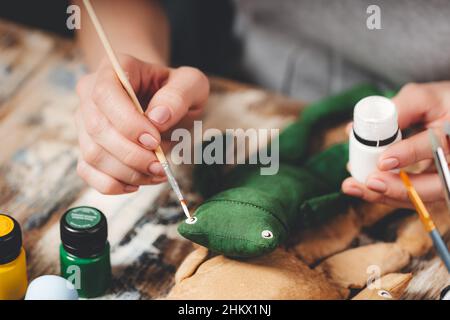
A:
121	75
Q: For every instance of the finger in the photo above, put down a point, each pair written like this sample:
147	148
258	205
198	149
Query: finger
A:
410	151
348	128
426	166
351	187
102	182
84	85
354	188
101	160
108	138
113	101
427	185
185	92
420	103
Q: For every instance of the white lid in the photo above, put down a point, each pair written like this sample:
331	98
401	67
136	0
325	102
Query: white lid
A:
375	118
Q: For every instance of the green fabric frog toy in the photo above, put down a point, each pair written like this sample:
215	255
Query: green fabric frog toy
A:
248	214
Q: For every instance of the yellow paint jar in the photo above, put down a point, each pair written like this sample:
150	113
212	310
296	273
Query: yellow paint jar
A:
13	269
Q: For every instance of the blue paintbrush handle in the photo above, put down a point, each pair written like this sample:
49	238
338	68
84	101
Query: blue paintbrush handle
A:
441	248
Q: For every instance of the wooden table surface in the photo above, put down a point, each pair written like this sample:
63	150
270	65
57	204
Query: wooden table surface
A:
38	156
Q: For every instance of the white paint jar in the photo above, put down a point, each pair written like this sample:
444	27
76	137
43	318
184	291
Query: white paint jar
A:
375	128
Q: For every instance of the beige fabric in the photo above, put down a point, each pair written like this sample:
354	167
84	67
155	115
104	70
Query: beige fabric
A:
440	215
191	263
334	135
332	237
394	284
350	268
411	235
338	234
279	275
370	213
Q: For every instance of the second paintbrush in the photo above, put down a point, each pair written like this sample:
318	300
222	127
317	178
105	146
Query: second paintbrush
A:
426	220
441	164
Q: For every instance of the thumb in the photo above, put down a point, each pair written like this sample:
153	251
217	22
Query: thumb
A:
420	103
185	91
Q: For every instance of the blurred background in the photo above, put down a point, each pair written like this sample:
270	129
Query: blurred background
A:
201	30
306	49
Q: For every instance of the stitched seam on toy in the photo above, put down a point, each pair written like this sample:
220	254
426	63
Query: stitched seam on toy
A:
224	237
254	206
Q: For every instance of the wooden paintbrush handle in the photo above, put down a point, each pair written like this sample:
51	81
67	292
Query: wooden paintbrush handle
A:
118	68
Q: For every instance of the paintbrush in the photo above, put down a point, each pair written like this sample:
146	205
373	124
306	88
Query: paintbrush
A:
427	222
127	85
441	165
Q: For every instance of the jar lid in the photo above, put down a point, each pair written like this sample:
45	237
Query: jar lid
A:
375	118
84	232
10	239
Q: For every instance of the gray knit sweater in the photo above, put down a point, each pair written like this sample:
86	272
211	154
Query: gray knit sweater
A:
312	48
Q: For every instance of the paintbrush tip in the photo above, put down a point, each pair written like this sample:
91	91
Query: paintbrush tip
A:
185	209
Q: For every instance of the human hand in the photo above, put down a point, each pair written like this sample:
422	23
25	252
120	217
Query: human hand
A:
428	104
116	141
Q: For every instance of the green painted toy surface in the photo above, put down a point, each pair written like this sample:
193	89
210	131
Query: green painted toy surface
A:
95	273
249	214
233	221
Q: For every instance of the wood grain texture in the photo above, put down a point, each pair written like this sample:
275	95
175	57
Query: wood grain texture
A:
21	51
38	180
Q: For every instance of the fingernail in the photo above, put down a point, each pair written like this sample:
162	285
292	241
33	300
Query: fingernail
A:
148	141
389	163
129	188
160	114
156	169
353	191
376	185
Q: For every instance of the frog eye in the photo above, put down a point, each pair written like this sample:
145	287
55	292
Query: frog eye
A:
191	220
384	294
267	234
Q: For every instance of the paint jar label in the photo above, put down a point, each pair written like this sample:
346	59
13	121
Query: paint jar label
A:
6	225
83	217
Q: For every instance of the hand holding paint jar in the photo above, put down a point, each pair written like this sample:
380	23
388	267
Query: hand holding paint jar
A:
375	128
426	105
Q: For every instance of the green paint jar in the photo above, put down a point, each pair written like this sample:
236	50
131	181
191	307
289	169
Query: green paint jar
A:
85	251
